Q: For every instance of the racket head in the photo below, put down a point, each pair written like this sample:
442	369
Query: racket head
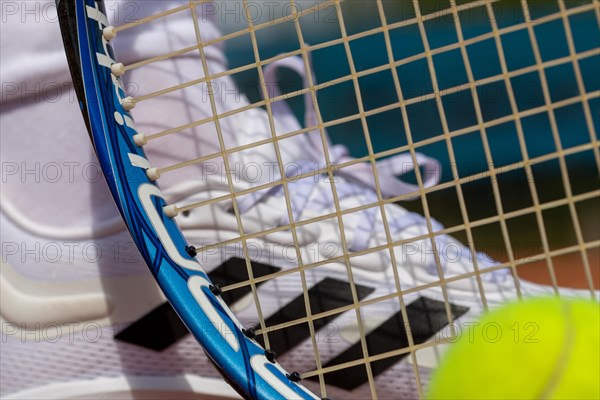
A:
127	171
102	99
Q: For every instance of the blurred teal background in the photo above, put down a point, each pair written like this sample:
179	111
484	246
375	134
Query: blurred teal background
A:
387	129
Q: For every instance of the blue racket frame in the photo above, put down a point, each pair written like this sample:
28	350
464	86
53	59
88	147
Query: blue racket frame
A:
240	359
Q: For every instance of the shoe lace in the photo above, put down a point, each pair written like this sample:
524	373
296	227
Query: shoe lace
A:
356	180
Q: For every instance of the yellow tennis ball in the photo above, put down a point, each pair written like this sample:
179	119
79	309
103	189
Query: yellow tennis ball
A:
544	348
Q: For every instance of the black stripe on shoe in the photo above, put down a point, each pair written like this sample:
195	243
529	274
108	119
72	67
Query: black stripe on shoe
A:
162	327
326	295
426	316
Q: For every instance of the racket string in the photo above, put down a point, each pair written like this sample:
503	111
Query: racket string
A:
446	92
446	231
313	48
501	216
387	297
579	78
527	166
307	304
558	145
521	261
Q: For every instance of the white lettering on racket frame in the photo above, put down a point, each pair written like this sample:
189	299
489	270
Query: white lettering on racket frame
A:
196	283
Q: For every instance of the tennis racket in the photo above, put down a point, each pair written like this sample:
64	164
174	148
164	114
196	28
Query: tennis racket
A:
360	107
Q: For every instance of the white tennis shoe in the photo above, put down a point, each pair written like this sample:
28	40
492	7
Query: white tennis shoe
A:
83	318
